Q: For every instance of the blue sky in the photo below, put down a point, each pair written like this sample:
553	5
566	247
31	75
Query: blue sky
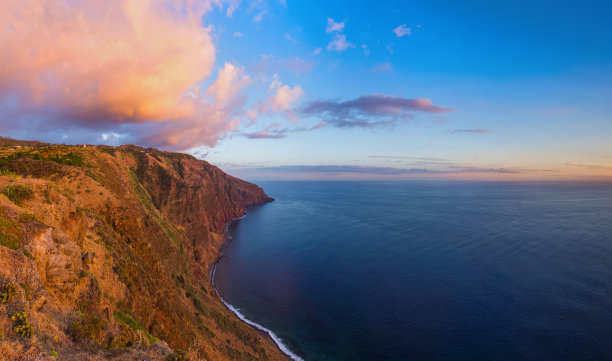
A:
359	90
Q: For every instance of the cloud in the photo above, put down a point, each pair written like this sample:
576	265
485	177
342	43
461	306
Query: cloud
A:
333	26
471	131
366	51
230	80
317	51
291	38
274	131
339	43
384	67
270	65
402	30
238	34
370	110
133	67
590	166
264	135
385	171
284	97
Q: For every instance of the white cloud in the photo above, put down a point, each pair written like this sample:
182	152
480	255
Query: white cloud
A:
317	51
238	34
402	30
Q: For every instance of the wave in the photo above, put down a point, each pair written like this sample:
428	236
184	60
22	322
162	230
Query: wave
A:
235	311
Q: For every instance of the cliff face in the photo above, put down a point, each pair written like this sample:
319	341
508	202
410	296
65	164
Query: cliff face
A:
107	251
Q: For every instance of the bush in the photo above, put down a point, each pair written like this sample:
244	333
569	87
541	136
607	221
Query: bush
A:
176	356
25	217
87	327
18	193
22	327
7	291
54	353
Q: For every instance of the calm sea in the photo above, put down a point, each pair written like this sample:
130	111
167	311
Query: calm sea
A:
427	270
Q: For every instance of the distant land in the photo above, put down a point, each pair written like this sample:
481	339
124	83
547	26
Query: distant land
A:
106	252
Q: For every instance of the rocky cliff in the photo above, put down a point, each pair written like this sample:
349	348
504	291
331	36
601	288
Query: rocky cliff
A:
105	253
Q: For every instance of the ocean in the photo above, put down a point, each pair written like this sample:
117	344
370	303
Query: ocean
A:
427	270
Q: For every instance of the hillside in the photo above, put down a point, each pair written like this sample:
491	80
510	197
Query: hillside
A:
107	251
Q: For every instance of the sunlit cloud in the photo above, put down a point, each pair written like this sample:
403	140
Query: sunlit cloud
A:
119	65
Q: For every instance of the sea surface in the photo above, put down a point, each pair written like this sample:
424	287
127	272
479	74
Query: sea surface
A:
427	270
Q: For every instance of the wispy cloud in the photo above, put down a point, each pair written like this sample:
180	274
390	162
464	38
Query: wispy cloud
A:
370	110
269	64
339	43
333	26
291	39
384	67
469	131
275	131
402	30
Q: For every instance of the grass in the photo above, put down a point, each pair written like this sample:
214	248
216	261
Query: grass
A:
18	193
134	325
10	233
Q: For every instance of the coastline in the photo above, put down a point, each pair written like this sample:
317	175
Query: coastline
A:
263	331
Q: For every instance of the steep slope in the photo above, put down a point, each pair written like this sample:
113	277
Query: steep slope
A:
107	251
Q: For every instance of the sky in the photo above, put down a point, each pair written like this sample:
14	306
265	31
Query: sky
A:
286	89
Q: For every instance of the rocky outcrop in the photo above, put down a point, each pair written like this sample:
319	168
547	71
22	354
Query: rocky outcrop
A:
110	248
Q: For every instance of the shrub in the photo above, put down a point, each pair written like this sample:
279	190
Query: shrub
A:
176	356
7	291
87	327
25	217
54	353
18	193
9	241
22	327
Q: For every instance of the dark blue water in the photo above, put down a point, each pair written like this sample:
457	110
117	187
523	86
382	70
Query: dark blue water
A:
428	271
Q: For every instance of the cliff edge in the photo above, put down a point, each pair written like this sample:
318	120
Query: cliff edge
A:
105	252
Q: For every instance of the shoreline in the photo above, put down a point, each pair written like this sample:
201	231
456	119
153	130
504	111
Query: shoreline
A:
263	331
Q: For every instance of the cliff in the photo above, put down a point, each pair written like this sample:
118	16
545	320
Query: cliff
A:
107	251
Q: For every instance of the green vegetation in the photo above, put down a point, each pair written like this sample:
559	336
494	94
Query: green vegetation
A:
28	254
10	233
87	327
18	193
7	291
134	325
22	327
9	241
177	356
26	217
8	173
54	353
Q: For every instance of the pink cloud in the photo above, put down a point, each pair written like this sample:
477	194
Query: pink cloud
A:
402	30
339	43
120	62
333	26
